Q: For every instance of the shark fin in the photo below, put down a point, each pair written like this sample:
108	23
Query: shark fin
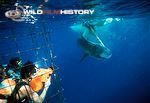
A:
83	57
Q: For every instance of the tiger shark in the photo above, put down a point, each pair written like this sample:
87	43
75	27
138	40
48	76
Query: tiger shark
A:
90	42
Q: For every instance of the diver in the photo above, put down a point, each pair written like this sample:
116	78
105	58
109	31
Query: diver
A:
3	73
9	75
14	67
23	93
3	76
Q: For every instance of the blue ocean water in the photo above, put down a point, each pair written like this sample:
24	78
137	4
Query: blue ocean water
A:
124	78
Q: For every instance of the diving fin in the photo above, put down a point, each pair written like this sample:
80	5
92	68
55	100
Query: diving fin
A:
83	57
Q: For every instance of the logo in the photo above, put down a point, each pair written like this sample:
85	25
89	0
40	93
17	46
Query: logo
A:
26	13
27	10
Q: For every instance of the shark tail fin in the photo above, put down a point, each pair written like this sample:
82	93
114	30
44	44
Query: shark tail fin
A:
83	57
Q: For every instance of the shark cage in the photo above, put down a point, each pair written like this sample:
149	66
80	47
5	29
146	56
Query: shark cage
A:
32	42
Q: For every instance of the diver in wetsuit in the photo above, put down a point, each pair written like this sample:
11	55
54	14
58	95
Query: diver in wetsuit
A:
9	74
3	76
3	73
23	93
14	67
20	91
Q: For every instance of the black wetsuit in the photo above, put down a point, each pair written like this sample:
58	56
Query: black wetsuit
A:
12	98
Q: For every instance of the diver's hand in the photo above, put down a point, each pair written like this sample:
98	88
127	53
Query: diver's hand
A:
48	83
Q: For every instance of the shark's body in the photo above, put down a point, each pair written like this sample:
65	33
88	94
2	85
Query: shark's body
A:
90	42
93	49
